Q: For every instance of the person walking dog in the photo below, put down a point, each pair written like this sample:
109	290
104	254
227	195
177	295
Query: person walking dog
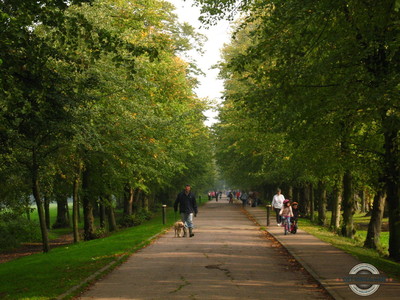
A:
187	208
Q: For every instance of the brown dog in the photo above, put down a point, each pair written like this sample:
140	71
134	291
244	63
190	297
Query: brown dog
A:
178	226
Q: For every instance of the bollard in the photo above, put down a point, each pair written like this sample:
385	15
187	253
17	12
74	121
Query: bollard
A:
164	214
268	213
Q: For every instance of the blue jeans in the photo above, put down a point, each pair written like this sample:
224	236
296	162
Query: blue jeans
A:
187	219
287	220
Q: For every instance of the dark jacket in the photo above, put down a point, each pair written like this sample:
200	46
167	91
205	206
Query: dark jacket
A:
187	203
295	213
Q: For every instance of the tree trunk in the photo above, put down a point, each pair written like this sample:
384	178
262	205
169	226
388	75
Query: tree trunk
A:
137	204
75	205
305	200
348	205
47	211
322	203
87	201
67	212
363	201
375	223
311	202
145	202
128	200
39	203
336	204
392	181
112	224
62	220
102	213
290	193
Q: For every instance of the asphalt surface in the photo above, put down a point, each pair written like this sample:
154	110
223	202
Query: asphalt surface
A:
228	258
328	265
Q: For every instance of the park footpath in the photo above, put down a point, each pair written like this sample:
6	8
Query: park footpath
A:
327	264
231	258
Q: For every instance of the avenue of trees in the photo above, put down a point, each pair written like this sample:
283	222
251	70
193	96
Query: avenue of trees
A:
96	104
311	104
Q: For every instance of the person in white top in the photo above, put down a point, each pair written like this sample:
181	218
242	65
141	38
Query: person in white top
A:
277	203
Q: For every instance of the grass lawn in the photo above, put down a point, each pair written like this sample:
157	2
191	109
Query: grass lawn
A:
46	276
355	246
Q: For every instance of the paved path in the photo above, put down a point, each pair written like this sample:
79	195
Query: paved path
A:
228	258
326	263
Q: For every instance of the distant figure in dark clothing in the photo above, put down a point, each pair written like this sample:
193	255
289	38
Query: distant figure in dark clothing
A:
230	195
187	208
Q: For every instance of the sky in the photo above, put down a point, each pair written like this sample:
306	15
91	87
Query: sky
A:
210	86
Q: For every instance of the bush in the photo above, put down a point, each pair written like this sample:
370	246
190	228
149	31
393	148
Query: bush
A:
15	229
135	219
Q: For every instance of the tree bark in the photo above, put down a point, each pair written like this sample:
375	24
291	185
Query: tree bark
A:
87	201
102	208
75	205
375	223
363	201
62	220
312	202
290	193
348	205
112	224
128	200
47	211
138	202
306	200
392	181
336	204
39	203
322	203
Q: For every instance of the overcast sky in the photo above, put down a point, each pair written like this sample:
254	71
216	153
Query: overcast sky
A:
217	35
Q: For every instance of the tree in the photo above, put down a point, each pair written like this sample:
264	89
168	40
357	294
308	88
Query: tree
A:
330	69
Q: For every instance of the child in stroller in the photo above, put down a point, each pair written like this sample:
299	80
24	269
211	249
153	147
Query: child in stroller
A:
295	210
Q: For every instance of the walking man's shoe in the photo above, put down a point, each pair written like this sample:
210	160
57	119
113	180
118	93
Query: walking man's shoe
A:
191	232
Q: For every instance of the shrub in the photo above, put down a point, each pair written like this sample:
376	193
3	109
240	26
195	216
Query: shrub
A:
135	219
15	229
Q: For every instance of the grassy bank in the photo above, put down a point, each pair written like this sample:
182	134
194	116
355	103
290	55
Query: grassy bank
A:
46	276
355	246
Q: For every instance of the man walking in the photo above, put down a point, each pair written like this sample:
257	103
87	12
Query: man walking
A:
187	208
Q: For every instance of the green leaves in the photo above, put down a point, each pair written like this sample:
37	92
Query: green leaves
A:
101	83
311	76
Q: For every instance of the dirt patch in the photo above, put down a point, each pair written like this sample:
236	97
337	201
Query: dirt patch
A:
32	248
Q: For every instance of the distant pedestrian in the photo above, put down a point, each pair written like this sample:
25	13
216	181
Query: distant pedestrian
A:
230	196
277	203
244	197
238	195
187	208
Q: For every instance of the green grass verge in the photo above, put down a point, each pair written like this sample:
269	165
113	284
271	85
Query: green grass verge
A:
355	247
46	276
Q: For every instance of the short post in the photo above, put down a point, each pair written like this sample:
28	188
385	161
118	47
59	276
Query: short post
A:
164	214
268	213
